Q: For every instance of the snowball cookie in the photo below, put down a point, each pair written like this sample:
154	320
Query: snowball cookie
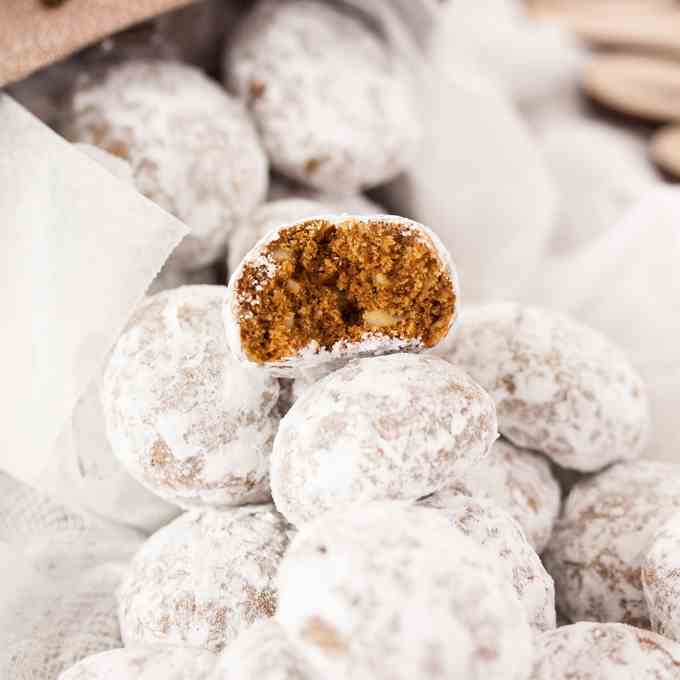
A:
334	287
519	481
274	214
390	591
186	419
263	652
335	108
144	663
394	427
600	542
661	580
604	651
560	387
192	148
203	578
508	549
269	216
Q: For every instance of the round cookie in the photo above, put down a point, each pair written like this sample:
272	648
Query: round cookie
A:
560	387
186	419
144	663
507	546
335	108
391	591
520	482
192	148
661	580
340	286
203	578
604	651
269	216
394	427
263	652
599	544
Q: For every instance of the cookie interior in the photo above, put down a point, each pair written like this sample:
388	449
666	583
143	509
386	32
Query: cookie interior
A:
328	282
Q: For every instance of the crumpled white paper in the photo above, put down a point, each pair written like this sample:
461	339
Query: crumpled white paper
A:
79	249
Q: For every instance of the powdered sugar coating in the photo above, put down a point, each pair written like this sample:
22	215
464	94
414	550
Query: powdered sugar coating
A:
517	480
661	579
508	549
203	578
393	427
560	387
186	419
144	663
373	343
392	591
263	652
600	542
334	107
605	651
192	148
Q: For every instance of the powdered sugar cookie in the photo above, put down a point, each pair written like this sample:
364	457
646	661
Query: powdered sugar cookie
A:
336	287
520	482
263	652
386	590
560	387
192	148
187	420
144	663
508	549
334	107
600	542
604	651
203	578
395	427
661	579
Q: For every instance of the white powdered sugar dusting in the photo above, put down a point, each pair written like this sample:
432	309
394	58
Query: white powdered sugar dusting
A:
604	651
517	480
335	108
390	591
192	148
508	549
144	663
601	540
204	578
661	579
393	427
560	387
187	420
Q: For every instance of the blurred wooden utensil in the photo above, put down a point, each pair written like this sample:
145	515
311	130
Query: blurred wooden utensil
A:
665	149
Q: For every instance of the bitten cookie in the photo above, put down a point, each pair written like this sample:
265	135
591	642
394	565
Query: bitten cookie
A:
389	591
604	651
336	287
560	387
263	652
517	480
600	542
499	534
203	578
335	108
661	579
186	419
192	148
144	663
394	427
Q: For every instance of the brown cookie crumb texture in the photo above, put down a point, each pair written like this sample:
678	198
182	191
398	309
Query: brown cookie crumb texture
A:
341	283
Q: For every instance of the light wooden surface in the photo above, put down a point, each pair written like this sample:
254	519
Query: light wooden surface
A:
33	34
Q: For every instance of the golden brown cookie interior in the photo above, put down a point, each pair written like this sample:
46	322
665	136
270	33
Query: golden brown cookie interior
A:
325	282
